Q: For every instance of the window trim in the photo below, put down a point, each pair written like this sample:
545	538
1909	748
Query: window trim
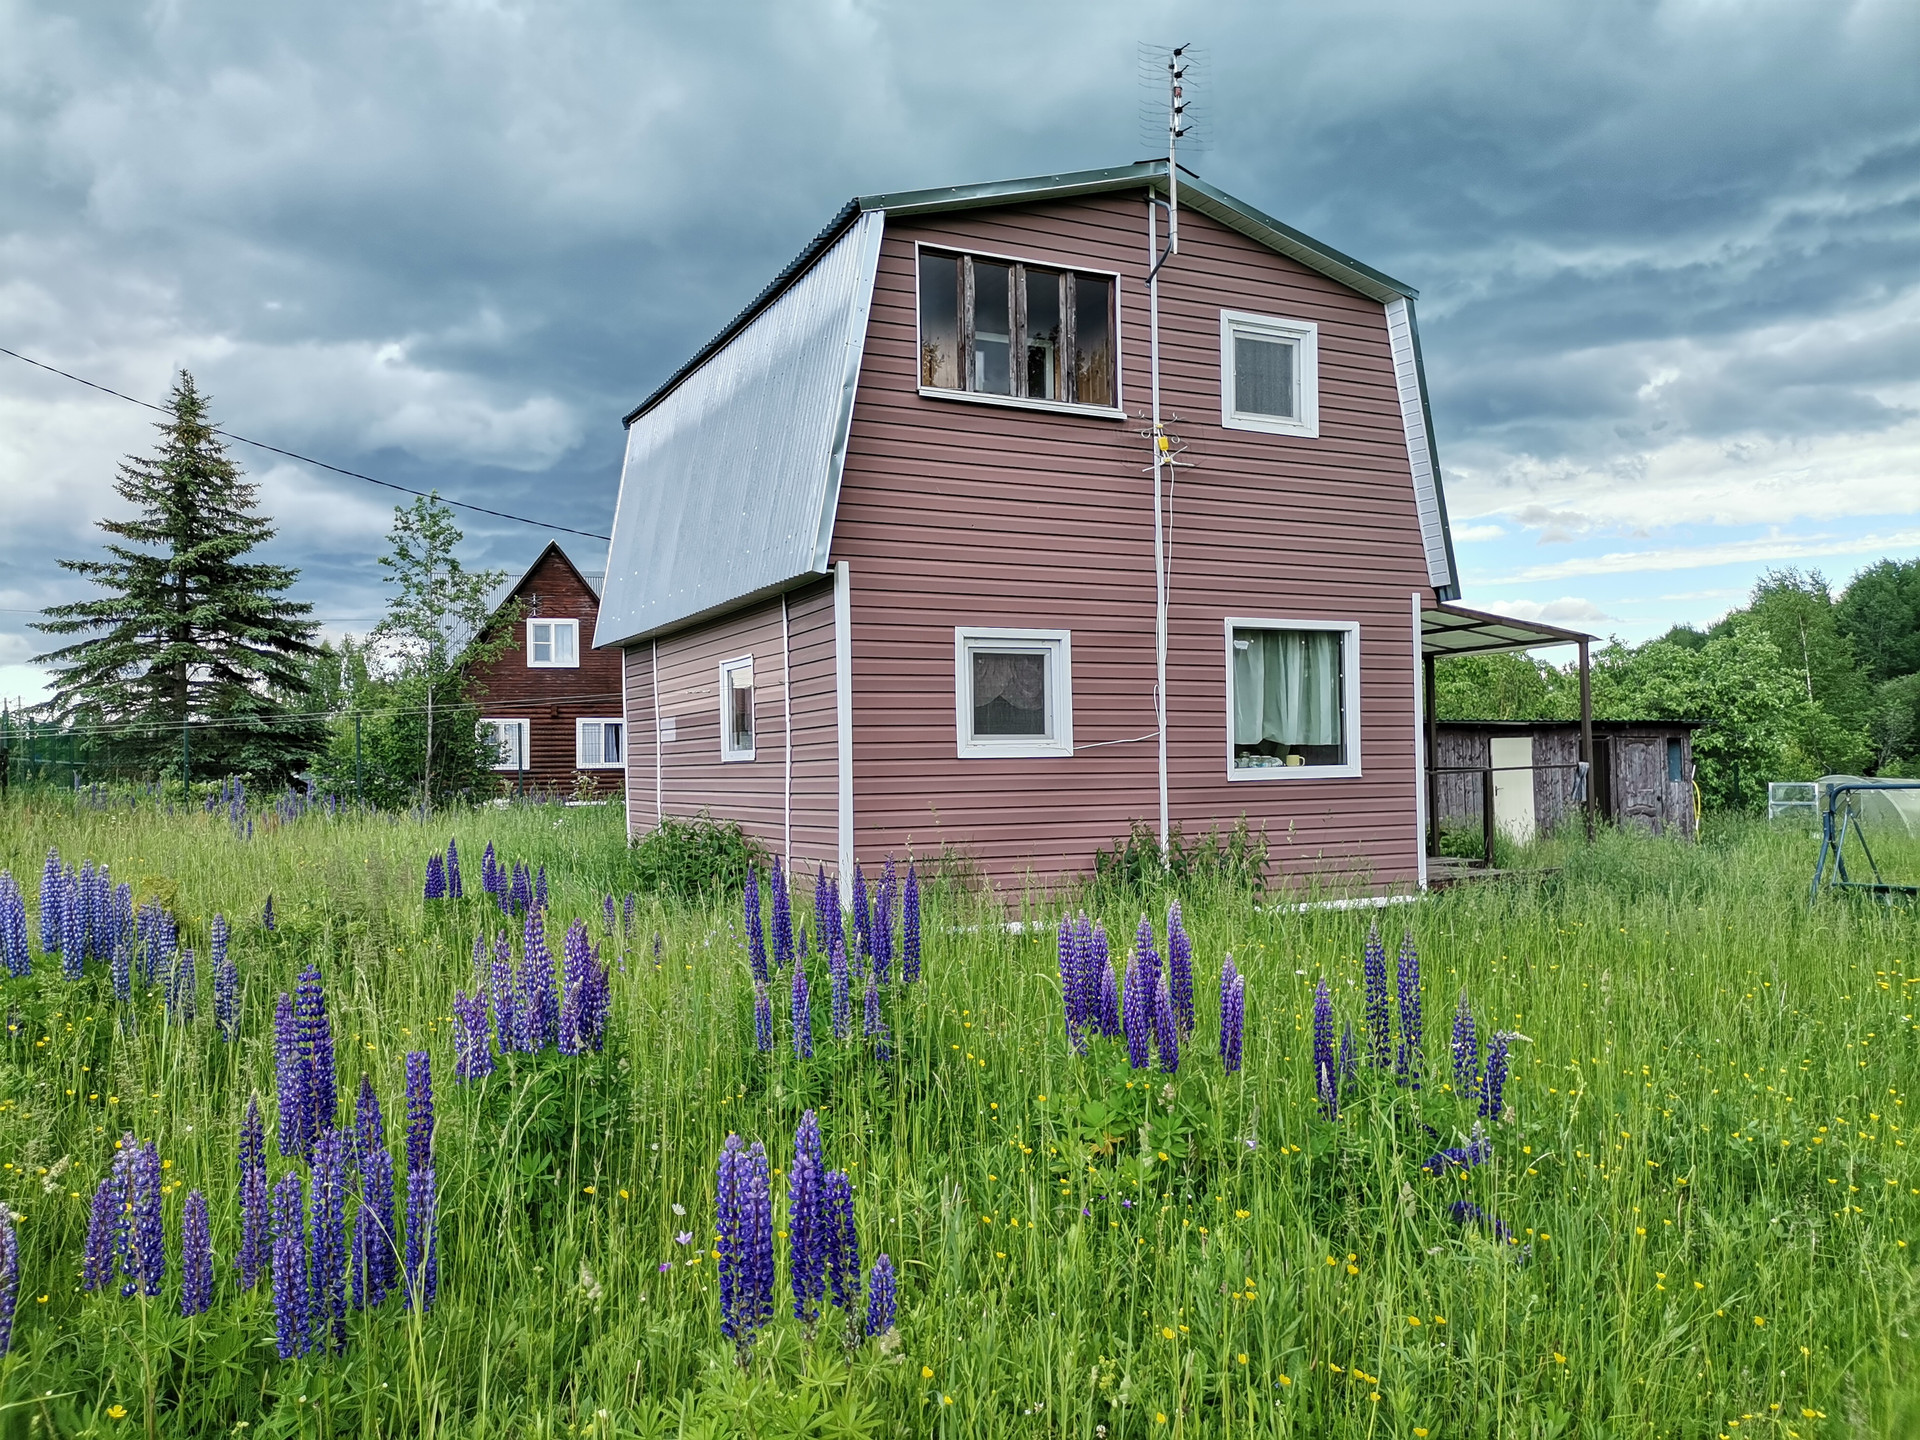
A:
525	727
1115	411
729	753
1349	700
572	624
579	747
1059	694
1305	335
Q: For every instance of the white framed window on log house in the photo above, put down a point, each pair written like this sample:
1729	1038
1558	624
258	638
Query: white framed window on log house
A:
736	709
1269	374
553	644
1006	332
509	741
599	744
1013	692
1293	699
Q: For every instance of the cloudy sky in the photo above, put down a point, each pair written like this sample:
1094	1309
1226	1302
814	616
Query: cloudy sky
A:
1668	253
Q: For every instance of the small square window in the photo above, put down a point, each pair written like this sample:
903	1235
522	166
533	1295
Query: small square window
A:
1013	692
599	744
1293	699
553	644
508	742
1269	374
736	709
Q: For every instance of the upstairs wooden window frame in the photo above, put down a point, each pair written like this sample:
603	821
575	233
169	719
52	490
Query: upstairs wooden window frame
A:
1112	410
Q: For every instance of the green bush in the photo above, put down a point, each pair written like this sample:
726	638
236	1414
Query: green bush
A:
1233	860
696	858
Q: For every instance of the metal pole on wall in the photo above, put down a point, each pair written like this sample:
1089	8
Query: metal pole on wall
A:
1586	732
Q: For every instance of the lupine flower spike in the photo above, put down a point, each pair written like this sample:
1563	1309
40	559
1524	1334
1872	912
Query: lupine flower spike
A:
1407	1062
782	919
1180	969
880	1297
842	999
1466	1051
226	983
292	1334
455	890
842	1243
266	915
1326	1079
1495	1080
423	1247
196	1257
9	1276
756	945
376	1258
762	1019
806	1222
910	927
744	1219
1378	1017
328	1252
1233	1015
436	887
254	1238
1166	1028
801	1014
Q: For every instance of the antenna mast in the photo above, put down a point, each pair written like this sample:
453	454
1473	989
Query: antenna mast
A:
1162	446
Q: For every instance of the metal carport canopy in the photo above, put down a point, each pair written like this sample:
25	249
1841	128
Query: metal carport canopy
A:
1455	630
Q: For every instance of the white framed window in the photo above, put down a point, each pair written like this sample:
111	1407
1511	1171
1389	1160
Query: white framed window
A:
1013	692
1269	374
599	744
736	709
553	644
509	740
1293	699
1001	330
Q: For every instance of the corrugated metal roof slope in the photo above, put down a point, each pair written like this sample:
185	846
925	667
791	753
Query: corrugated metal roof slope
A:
732	469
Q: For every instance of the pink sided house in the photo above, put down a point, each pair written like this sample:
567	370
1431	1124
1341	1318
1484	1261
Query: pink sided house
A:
883	569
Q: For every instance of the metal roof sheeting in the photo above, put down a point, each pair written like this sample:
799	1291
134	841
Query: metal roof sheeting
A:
732	473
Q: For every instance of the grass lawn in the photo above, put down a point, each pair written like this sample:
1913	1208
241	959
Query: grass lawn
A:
1696	1220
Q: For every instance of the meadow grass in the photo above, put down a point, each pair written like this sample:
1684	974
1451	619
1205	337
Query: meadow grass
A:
1706	1169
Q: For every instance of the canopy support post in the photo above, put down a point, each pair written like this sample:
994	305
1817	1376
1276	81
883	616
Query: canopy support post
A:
1586	730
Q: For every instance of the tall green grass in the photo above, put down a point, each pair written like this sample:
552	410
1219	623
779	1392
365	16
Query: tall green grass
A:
1708	1168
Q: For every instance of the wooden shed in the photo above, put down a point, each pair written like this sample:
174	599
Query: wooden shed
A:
894	567
550	703
1642	775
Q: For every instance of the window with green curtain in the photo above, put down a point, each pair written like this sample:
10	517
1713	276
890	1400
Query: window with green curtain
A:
1288	698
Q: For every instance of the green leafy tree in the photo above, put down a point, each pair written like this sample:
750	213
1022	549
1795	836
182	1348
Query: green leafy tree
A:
191	636
1500	687
1798	612
1880	614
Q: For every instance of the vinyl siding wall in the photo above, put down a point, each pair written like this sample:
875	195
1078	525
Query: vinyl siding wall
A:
955	513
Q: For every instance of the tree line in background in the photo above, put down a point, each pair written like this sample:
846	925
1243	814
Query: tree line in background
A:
1797	684
196	661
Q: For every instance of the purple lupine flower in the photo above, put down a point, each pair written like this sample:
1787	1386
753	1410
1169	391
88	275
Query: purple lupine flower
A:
146	1260
875	1027
266	918
1180	969
1407	973
596	1000
762	1018
436	888
473	1055
842	998
576	963
539	1005
9	1276
489	871
880	1297
15	953
423	1248
882	925
226	983
181	986
1477	1151
293	1335
1465	1212
1233	1015
822	907
455	890
53	889
806	1221
540	889
196	1257
842	1240
1110	1018
609	913
1326	1079
836	921
1349	1063
780	924
73	927
744	1219
626	912
802	1015
506	1001
1086	979
862	945
107	1221
254	1241
328	1252
315	1034
756	944
910	927
1138	1003
376	1259
1378	1017
519	896
290	1076
1166	1027
1466	1051
1495	1080
1070	987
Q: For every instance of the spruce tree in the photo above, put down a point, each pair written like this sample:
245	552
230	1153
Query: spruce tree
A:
190	637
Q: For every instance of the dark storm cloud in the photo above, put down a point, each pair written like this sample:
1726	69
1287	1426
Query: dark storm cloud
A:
451	243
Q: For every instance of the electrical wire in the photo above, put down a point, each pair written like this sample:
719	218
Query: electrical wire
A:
304	459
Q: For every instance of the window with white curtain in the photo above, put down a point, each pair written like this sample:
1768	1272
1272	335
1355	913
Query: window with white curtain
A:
1293	699
599	744
508	741
1013	692
553	644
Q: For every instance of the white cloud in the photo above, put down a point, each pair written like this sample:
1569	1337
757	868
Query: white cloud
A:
1568	610
1470	533
1765	550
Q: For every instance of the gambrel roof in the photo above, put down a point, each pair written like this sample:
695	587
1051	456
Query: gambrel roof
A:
733	465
